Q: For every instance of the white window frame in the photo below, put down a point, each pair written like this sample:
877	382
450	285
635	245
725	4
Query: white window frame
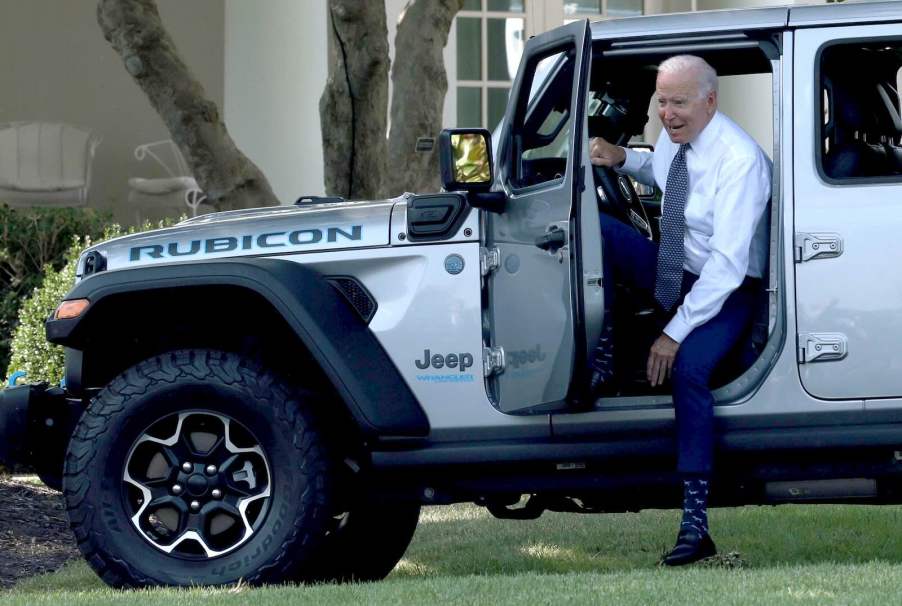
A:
485	84
539	16
602	15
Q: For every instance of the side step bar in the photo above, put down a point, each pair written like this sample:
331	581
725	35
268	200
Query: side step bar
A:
821	490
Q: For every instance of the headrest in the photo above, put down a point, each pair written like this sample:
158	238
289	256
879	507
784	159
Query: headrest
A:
892	109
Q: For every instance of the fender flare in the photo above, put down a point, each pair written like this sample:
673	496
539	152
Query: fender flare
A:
338	339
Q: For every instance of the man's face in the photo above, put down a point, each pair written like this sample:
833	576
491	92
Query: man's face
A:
683	112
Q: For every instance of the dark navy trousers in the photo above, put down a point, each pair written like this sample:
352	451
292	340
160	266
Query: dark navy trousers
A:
632	260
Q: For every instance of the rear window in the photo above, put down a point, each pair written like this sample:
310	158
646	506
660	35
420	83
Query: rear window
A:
860	129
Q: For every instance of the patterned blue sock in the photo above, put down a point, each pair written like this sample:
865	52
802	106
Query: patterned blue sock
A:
603	356
695	504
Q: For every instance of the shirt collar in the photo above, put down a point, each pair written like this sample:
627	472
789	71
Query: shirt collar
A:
702	143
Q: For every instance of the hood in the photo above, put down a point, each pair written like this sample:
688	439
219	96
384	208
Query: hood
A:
260	231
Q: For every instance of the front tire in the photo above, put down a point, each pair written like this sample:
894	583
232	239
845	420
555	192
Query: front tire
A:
198	467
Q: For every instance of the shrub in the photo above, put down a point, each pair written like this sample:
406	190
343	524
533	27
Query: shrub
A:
30	240
30	350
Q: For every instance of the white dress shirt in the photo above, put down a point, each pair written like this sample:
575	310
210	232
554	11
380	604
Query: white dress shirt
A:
729	188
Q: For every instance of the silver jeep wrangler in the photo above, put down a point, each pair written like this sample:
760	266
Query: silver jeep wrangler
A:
273	394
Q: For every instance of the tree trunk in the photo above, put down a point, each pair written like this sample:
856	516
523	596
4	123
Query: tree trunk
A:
419	84
229	179
353	107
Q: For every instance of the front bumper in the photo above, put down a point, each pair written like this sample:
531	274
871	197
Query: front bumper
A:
14	422
36	422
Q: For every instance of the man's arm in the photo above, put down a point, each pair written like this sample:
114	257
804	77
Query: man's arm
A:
623	160
742	196
638	165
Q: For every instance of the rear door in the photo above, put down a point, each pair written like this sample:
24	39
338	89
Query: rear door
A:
848	215
531	297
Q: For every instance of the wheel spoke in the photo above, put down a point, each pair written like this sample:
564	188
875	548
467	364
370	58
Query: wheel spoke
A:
222	456
189	535
159	489
171	457
218	452
165	500
231	445
184	445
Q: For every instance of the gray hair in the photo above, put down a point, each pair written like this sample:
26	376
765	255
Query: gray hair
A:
707	77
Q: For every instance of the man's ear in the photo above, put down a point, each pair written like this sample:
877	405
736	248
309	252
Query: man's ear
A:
711	102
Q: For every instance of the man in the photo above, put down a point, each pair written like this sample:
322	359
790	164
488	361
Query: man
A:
706	269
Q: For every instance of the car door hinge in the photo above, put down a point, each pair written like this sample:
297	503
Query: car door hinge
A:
822	347
492	360
809	246
489	260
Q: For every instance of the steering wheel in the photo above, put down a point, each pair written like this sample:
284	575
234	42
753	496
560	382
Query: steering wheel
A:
617	195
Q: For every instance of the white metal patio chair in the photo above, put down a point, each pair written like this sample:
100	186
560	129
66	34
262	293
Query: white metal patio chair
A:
172	194
45	163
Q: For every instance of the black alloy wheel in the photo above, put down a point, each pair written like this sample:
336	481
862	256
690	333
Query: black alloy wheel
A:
197	484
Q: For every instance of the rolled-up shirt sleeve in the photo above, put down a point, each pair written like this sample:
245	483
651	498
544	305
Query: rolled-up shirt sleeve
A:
638	165
742	196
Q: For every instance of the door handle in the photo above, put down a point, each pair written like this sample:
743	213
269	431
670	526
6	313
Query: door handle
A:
552	240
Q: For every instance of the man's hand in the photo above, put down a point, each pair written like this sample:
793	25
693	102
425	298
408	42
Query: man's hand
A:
602	153
660	360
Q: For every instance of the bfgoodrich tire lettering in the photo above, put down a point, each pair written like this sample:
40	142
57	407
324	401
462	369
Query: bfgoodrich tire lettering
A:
196	383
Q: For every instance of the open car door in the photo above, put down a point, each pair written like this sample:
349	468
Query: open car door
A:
532	300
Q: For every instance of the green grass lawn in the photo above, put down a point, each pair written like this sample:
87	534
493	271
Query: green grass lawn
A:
789	554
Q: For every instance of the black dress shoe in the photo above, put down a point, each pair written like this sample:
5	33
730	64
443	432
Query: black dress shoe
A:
691	546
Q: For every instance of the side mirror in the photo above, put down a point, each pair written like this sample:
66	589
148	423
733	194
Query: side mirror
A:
466	159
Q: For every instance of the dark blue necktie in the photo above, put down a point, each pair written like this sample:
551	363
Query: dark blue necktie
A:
669	277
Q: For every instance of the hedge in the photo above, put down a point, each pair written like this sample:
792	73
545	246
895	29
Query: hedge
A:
30	351
30	240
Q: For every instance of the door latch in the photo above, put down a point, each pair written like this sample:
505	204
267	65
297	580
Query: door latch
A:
810	246
492	360
553	239
489	260
822	347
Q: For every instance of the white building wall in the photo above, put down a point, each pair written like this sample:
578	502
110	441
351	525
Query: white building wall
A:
276	69
275	72
55	66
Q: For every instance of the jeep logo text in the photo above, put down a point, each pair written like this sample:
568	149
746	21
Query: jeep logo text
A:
461	361
526	356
